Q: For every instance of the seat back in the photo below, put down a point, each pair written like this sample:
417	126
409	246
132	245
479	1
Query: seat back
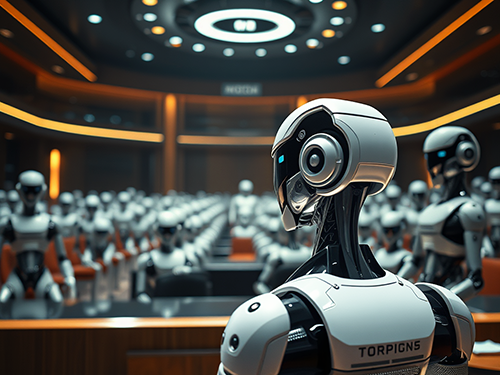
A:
7	262
491	277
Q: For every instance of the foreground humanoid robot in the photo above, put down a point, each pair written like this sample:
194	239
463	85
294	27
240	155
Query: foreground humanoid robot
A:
341	312
450	231
29	234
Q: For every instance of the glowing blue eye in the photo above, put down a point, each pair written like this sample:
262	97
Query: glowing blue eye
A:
281	159
441	154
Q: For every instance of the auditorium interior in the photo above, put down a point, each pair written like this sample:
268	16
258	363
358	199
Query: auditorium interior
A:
148	126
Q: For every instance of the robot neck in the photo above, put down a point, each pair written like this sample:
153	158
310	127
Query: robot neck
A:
454	187
29	210
337	219
167	247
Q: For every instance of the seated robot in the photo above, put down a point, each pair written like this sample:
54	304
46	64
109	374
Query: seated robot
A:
492	208
244	227
122	219
68	220
391	257
162	260
341	312
450	231
418	193
243	199
29	234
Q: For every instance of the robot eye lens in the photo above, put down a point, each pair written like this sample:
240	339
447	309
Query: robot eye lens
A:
234	342
167	230
281	159
441	154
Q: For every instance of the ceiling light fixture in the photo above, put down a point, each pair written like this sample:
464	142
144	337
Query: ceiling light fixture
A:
147	56
228	52
315	1
150	3
483	30
261	52
94	18
290	48
337	21
158	30
150	17
6	33
58	69
339	5
328	33
411	76
343	60
284	25
175	41
198	47
312	43
378	28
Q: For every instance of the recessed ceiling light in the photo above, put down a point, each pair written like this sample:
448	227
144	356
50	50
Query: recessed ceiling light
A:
378	27
261	52
284	25
290	48
228	52
483	30
198	47
89	117
312	43
411	76
94	18
343	60
315	1
245	26
150	17
6	33
147	56
58	69
158	30
339	5
175	41
328	33
150	3
337	21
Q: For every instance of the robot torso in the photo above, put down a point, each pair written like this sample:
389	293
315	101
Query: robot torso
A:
164	262
29	233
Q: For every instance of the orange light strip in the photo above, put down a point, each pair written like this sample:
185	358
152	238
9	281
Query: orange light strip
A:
48	41
80	129
448	118
55	170
224	141
431	43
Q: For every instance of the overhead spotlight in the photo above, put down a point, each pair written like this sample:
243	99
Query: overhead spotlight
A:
328	33
378	27
312	43
337	21
343	60
411	76
315	1
89	117
228	52
198	47
175	41
147	56
57	69
150	17
150	3
158	30
94	18
261	52
290	48
6	33
339	5
483	30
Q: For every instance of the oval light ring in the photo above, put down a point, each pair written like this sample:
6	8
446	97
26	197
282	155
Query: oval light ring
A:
284	25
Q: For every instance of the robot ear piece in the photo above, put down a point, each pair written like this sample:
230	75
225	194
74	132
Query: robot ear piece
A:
321	160
467	154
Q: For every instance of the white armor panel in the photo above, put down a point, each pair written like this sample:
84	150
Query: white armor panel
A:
30	232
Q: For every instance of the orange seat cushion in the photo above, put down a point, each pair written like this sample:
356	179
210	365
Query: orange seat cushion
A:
491	277
242	245
84	273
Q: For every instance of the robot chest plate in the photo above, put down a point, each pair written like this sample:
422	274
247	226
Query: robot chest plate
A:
492	208
165	262
30	232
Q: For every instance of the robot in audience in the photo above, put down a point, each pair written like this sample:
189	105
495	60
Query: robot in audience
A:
140	228
68	220
340	311
451	230
392	256
106	209
244	227
14	202
122	219
243	199
162	260
492	207
29	234
365	229
418	194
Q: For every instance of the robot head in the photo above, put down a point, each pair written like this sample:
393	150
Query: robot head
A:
476	183
168	225
494	178
3	196
31	187
393	194
418	192
66	200
450	150
12	198
139	212
106	198
148	203
245	187
486	189
392	227
124	199
324	146
103	228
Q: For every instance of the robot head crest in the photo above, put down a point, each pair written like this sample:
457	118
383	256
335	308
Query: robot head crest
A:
324	146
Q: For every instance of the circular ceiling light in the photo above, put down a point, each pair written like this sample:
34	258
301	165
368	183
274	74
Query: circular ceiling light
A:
483	30
337	21
89	117
378	27
261	52
150	17
6	33
175	41
150	3
343	60
312	43
205	25
339	5
228	52
147	56
315	1
58	69
198	47
158	30
290	48
328	33
411	76
94	18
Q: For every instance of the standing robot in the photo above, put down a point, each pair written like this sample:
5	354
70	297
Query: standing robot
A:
29	234
341	312
450	231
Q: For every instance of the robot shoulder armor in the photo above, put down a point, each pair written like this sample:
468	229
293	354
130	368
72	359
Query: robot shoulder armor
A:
472	216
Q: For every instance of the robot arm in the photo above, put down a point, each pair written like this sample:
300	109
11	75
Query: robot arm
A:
140	288
454	333
473	220
64	263
413	263
261	285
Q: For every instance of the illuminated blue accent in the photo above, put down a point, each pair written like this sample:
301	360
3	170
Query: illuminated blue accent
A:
425	156
441	154
281	159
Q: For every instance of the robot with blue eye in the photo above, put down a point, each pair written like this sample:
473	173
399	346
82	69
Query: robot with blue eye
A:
340	312
450	231
29	234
